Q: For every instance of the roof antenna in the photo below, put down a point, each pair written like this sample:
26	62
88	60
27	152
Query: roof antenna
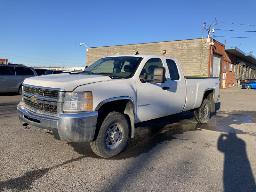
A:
210	29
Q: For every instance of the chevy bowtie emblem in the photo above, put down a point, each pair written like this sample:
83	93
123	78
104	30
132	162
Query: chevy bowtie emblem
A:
33	99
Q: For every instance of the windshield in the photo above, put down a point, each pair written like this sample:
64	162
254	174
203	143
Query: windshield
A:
115	67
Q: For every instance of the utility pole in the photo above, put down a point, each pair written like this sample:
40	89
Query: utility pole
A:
210	30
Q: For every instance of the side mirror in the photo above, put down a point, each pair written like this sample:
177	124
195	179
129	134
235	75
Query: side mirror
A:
159	75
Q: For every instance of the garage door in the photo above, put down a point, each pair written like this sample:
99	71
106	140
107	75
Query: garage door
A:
216	66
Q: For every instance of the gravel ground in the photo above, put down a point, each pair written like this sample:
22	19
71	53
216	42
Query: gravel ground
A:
234	99
169	154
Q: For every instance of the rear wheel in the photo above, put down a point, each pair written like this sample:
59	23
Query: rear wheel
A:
113	136
203	113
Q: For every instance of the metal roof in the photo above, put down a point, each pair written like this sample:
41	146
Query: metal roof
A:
154	42
12	64
242	55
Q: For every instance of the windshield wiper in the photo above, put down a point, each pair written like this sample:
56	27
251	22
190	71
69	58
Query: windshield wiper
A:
75	72
105	74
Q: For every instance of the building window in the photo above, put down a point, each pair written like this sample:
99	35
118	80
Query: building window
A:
216	64
230	67
224	68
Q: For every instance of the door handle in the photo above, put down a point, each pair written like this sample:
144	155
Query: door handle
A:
165	88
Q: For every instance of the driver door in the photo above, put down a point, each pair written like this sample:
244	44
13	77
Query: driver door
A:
155	100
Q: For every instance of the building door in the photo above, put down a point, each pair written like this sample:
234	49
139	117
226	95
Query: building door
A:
216	64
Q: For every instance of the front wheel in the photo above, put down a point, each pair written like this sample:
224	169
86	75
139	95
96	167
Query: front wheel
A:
113	136
203	113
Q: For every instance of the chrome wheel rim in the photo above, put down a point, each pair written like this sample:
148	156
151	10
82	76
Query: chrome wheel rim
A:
114	136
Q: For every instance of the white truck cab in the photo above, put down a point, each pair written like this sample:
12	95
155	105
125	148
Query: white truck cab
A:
102	104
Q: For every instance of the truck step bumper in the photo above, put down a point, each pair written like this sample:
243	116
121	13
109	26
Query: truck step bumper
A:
72	127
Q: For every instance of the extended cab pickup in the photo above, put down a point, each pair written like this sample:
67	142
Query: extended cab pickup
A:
102	104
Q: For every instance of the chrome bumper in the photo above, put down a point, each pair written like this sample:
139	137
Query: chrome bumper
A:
73	127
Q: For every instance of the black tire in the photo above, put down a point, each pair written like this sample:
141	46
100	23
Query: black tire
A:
108	142
203	113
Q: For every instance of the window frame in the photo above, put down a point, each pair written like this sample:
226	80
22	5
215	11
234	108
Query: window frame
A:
27	68
176	66
11	68
139	60
230	67
163	65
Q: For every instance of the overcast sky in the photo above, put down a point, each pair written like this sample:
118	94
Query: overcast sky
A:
48	32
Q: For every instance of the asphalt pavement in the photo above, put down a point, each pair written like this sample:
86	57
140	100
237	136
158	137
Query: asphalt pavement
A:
168	154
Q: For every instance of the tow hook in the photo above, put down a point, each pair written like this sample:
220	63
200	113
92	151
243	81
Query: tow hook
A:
25	125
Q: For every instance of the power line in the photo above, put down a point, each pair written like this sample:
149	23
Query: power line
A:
240	37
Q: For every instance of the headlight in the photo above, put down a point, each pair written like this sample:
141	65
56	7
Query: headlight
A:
78	101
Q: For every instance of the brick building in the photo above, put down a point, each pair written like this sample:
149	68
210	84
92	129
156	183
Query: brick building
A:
242	65
3	61
198	57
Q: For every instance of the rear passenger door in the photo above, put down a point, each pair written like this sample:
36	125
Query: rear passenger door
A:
176	87
7	79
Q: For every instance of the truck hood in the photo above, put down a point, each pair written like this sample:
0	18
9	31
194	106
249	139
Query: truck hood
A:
66	82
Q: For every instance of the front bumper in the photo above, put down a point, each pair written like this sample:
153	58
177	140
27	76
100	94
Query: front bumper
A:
73	127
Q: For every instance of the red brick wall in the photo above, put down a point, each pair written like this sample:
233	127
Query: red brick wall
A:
3	61
230	79
230	74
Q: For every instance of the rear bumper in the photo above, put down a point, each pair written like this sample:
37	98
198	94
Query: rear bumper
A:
73	127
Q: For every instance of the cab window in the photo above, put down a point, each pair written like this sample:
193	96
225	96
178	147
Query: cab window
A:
174	73
115	67
23	71
147	72
6	70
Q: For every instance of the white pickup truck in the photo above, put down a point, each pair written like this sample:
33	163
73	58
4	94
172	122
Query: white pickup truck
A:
102	104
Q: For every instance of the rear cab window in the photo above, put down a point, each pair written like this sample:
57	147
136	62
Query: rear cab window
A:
173	70
7	70
24	71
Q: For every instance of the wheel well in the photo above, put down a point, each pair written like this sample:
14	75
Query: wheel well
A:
118	106
20	86
209	94
124	106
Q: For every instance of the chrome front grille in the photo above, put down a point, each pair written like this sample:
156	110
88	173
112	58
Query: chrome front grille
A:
45	92
41	100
